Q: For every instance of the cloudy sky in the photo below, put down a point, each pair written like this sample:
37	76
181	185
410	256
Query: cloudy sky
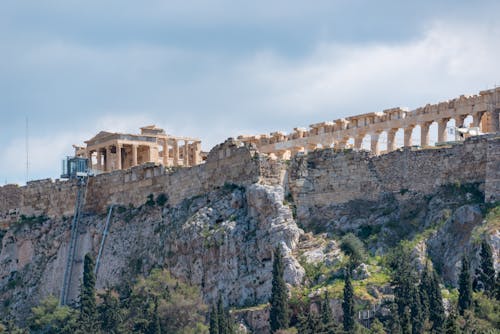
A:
216	69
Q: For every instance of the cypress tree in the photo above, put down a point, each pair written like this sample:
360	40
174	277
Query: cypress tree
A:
464	287
425	291
348	304
406	321
214	320
88	310
487	270
417	319
436	309
395	322
326	315
497	287
278	314
451	326
221	316
109	313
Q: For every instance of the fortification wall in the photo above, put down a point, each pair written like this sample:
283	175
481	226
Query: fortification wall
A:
227	163
327	176
318	179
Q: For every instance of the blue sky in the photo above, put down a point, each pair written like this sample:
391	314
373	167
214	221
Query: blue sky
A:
215	69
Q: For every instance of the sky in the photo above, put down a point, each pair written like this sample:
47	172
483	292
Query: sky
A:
218	69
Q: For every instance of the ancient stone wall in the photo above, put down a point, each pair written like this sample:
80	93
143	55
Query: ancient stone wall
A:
327	176
230	162
320	178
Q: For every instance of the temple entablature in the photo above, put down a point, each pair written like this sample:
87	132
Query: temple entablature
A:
392	125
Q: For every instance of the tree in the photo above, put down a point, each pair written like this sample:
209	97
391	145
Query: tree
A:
155	326
451	326
110	314
88	309
279	314
327	324
404	282
348	303
464	287
395	322
417	316
352	246
178	306
214	320
221	316
50	318
436	308
487	270
377	327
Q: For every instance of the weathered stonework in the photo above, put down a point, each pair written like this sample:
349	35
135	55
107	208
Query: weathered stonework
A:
484	109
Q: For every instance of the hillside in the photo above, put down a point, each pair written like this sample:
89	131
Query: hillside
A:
216	225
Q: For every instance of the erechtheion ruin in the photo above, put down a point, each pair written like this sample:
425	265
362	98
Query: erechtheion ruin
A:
484	109
109	151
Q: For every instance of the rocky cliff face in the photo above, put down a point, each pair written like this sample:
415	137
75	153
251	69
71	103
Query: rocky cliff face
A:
220	235
221	241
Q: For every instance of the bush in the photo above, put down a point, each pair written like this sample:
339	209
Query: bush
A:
161	199
352	246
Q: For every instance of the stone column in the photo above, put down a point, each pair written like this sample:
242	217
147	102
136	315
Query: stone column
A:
424	134
118	156
99	159
197	153
107	161
165	152
391	140
408	132
442	129
375	147
186	154
175	151
490	121
358	141
476	119
459	121
341	144
134	154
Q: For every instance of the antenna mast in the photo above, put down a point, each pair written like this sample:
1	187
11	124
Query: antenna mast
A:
27	152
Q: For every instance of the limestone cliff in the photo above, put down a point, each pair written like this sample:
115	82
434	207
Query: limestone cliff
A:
216	225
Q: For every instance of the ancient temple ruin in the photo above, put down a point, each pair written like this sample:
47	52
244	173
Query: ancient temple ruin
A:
349	132
108	151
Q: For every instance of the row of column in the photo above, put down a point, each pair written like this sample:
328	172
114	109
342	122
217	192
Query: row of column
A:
191	152
105	161
491	123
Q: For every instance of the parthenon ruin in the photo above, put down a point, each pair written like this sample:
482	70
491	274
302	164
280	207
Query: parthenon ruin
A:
484	109
109	151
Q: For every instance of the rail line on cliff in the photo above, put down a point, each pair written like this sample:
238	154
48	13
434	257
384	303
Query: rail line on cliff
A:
80	200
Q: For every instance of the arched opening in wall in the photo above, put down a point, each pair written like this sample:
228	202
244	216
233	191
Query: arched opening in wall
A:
382	142
468	121
415	136
366	143
400	138
350	143
450	130
433	134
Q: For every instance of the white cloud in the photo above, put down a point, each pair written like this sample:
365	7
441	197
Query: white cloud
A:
448	60
267	91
